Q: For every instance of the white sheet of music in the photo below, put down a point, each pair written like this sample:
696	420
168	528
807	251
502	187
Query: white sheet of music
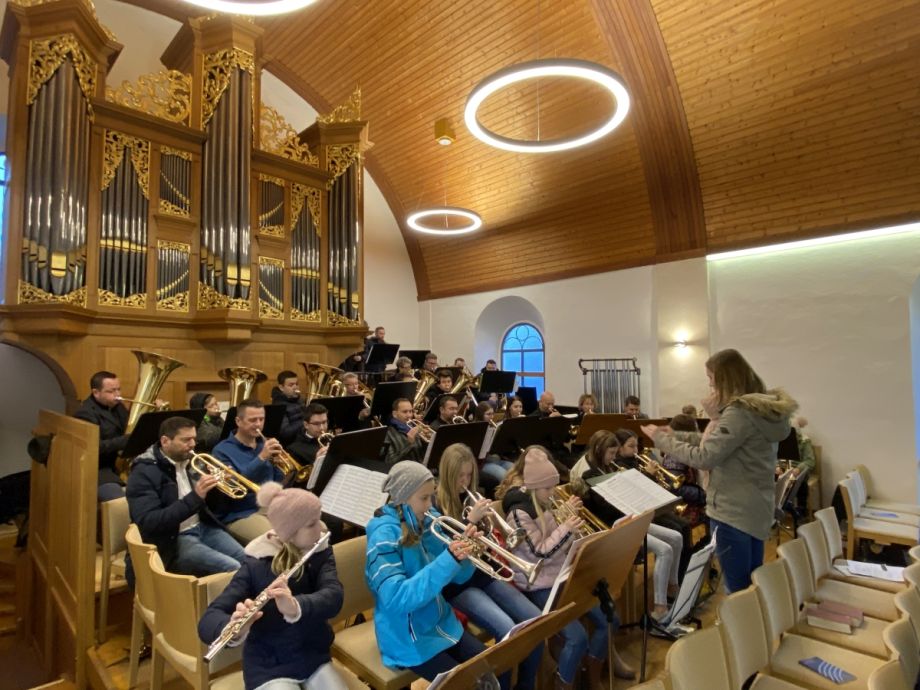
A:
428	449
487	442
632	493
353	494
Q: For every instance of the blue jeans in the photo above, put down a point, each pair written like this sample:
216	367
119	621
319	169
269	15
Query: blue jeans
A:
497	607
493	471
576	637
739	555
205	550
464	650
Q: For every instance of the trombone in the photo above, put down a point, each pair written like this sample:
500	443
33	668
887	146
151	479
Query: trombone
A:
563	510
289	467
487	555
494	521
229	481
425	432
667	479
159	407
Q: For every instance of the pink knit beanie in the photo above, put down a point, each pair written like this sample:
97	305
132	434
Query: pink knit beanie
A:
288	509
539	472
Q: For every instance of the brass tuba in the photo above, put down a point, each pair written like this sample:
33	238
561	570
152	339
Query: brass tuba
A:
425	382
154	370
242	380
322	381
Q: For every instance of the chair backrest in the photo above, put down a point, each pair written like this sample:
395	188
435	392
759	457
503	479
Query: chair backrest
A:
813	535
900	639
177	615
847	495
140	560
744	635
350	557
908	602
795	554
863	482
115	521
912	574
776	600
698	661
828	519
888	677
915	554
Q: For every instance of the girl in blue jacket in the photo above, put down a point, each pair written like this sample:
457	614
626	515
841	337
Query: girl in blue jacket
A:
406	569
286	646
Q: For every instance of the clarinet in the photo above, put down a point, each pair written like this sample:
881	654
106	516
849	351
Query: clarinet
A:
232	630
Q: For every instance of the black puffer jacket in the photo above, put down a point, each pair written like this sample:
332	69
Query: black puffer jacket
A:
112	438
292	424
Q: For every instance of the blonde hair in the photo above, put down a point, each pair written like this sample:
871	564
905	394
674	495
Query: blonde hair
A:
452	461
515	476
408	536
286	558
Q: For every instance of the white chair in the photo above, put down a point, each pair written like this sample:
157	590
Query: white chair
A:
698	661
864	487
888	677
876	530
860	499
144	609
115	521
901	640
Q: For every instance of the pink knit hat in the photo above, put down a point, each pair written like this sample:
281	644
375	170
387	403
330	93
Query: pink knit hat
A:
539	472
288	509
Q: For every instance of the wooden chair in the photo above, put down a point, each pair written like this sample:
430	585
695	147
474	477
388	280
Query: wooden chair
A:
888	677
144	609
356	646
908	603
914	554
901	640
876	530
180	602
115	521
698	661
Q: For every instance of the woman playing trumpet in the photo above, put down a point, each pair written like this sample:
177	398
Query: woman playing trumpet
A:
407	568
490	603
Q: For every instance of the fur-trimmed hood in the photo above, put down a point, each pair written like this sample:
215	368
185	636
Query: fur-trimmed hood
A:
268	545
769	412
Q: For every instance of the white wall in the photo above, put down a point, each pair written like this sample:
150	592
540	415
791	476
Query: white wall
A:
831	324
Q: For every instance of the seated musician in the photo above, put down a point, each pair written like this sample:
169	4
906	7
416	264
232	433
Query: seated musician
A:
404	367
406	569
806	463
248	453
460	362
445	383
430	364
212	423
685	430
587	404
515	408
491	365
402	441
690	410
546	406
632	408
287	393
168	506
494	468
286	645
447	410
306	448
351	384
104	409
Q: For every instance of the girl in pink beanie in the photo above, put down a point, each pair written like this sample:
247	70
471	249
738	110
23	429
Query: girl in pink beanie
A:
286	646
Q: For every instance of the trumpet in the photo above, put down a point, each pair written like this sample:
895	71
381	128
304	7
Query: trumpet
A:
289	467
668	480
232	630
458	419
494	521
487	555
325	439
229	481
425	432
563	510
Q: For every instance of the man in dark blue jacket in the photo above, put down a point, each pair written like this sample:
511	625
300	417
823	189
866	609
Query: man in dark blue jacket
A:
104	409
168	506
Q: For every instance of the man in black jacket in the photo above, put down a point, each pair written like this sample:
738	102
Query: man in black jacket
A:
287	393
104	409
168	506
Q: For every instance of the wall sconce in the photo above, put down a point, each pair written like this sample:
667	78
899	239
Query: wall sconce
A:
680	344
443	132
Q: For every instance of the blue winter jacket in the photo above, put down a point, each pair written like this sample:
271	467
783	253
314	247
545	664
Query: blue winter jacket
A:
412	620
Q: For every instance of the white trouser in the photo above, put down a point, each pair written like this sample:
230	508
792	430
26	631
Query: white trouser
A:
667	545
324	678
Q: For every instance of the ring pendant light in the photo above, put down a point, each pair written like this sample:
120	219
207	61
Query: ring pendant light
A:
256	9
414	220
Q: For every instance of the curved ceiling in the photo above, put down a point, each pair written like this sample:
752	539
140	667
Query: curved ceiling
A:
752	122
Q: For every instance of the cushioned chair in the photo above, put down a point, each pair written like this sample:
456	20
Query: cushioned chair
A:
915	554
888	677
912	574
782	614
698	661
864	528
115	521
901	640
143	615
180	602
867	496
834	541
860	498
356	646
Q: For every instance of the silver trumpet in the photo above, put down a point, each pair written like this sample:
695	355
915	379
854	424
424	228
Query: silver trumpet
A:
486	555
494	520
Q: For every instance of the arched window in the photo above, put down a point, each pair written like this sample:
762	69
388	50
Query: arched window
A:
522	351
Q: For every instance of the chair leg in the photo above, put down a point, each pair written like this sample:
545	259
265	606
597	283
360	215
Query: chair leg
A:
103	602
137	639
156	674
851	543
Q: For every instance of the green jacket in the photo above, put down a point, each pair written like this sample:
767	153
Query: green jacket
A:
740	454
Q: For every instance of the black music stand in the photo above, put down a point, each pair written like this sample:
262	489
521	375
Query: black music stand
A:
528	397
362	448
471	435
343	411
378	357
702	423
514	435
147	430
417	357
788	448
433	409
274	416
385	394
497	382
592	423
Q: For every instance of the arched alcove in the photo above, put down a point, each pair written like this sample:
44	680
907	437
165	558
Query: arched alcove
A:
494	321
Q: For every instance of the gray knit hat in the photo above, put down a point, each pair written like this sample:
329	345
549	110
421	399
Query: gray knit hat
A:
404	480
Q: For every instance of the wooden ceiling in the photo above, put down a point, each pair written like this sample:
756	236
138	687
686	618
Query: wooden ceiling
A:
752	121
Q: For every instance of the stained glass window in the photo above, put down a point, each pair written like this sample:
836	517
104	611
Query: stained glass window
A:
523	352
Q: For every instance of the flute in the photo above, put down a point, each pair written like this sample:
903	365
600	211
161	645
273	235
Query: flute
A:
232	630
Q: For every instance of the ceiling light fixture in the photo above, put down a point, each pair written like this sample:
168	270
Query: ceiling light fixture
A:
414	220
443	132
257	9
549	67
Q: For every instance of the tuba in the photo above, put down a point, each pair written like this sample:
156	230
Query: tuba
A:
242	380
154	370
425	382
322	381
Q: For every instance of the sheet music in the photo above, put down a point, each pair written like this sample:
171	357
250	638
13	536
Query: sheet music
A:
879	571
353	494
314	475
428	449
487	442
632	493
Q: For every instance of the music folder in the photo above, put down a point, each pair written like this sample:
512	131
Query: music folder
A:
343	411
362	448
274	415
497	381
417	357
386	393
592	423
514	435
147	430
470	434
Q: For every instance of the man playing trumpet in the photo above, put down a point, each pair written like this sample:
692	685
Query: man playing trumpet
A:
403	440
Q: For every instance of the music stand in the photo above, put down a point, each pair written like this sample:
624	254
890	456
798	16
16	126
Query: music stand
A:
506	654
360	448
471	435
274	416
689	592
592	423
528	397
343	411
379	356
386	393
497	382
514	435
147	430
702	423
435	406
417	357
635	426
788	448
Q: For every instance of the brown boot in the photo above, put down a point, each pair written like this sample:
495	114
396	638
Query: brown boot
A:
593	669
559	684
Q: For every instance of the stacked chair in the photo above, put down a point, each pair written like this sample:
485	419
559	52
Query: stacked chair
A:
877	521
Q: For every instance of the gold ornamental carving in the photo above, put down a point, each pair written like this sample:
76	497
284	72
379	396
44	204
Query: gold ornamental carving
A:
166	94
46	55
30	294
314	316
177	303
171	209
209	298
279	137
183	247
216	70
164	205
301	193
339	158
110	299
181	153
349	111
115	144
342	321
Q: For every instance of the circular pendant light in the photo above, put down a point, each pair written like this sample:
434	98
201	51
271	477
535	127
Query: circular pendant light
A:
550	67
414	220
252	8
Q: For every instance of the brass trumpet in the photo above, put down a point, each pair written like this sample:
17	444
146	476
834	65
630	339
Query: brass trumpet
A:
289	467
325	439
668	480
494	520
425	432
488	556
458	419
229	481
563	510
